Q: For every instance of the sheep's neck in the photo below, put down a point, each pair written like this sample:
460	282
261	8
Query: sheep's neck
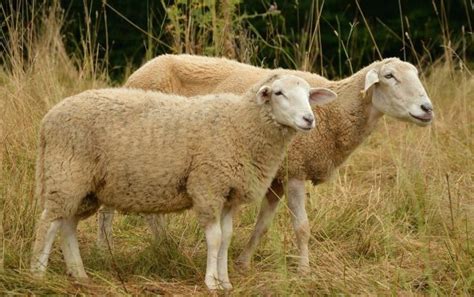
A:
355	103
342	127
262	134
357	114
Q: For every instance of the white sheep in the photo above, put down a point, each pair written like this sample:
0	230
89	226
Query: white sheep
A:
389	86
142	151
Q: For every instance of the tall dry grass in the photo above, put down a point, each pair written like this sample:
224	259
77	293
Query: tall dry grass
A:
397	218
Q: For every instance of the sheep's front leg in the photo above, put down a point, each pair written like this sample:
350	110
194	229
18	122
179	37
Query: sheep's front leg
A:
265	217
296	203
104	229
208	202
213	239
226	228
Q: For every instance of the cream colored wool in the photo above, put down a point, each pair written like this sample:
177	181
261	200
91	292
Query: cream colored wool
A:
122	145
388	87
343	124
143	151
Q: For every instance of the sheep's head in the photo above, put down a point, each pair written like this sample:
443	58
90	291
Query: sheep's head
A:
290	99
397	91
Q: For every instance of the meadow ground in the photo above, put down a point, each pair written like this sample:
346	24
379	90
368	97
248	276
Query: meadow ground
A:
397	218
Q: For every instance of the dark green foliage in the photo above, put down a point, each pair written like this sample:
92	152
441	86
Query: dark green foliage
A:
285	32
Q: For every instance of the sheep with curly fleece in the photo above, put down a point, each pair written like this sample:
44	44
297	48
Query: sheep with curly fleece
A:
149	152
389	86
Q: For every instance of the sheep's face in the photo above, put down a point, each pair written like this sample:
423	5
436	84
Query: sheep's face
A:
398	92
290	99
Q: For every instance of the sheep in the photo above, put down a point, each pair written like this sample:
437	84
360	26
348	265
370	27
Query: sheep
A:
148	152
389	86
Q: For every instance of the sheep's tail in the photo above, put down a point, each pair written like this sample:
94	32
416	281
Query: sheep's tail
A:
39	177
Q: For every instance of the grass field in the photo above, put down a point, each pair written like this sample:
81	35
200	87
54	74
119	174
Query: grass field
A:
397	218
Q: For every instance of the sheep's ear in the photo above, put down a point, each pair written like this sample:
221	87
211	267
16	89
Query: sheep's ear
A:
321	96
264	94
371	78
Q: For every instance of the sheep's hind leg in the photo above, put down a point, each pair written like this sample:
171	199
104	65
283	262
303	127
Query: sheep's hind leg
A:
70	248
157	224
45	234
296	203
222	262
265	217
105	228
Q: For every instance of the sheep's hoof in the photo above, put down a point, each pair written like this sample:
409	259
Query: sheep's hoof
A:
242	265
79	277
214	284
36	274
211	283
83	281
226	286
303	270
104	246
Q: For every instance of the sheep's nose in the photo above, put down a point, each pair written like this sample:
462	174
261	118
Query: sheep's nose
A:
426	107
308	118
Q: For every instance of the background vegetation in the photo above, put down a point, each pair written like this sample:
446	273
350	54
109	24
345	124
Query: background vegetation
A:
328	37
397	218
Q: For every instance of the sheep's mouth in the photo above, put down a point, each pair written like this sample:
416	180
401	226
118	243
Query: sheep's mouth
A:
304	128
426	118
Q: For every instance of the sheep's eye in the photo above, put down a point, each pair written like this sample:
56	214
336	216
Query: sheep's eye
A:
388	76
279	93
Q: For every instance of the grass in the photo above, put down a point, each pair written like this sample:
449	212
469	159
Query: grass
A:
397	218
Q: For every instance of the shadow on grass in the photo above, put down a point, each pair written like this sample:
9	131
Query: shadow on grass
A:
164	259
